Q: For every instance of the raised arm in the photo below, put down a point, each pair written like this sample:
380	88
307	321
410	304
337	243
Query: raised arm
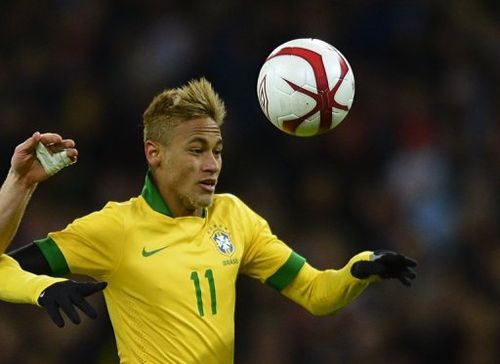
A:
25	173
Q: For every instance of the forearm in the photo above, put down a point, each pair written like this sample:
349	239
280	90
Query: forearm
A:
19	286
15	194
325	292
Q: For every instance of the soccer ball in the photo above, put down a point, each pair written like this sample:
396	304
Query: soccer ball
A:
305	87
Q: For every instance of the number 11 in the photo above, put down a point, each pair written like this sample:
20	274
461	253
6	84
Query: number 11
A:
197	288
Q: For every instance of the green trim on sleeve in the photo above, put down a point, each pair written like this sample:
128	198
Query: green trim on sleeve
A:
54	256
286	274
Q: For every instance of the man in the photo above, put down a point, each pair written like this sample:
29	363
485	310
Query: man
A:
171	256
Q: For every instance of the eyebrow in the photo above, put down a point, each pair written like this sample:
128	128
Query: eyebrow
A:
204	141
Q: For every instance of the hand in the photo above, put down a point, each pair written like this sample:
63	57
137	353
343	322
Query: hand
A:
67	294
386	264
24	162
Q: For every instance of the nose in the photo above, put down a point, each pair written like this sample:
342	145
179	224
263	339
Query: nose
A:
212	163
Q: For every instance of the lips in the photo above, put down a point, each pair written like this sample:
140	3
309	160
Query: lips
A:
208	184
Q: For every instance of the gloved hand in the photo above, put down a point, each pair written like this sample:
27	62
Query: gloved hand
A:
67	294
386	264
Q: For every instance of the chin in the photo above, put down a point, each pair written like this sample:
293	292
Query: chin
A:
205	202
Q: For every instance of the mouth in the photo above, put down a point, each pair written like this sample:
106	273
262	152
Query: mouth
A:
208	184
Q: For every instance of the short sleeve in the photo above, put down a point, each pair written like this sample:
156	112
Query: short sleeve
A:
89	245
267	258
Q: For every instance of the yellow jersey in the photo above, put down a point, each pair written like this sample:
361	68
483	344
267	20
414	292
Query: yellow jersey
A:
172	281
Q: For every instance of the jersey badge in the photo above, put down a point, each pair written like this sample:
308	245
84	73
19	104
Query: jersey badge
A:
223	242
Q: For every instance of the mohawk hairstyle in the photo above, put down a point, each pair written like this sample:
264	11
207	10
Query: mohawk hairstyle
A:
195	99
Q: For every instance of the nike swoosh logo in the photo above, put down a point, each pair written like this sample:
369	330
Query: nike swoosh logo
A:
146	253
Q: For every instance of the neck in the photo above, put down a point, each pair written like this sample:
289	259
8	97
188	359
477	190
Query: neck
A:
167	202
178	206
182	211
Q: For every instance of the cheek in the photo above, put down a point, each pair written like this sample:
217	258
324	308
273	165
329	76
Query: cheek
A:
180	171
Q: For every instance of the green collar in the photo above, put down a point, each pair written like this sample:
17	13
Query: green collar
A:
152	196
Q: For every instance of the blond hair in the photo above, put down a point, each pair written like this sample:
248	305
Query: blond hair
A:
195	99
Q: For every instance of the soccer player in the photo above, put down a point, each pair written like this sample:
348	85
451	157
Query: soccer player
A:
171	255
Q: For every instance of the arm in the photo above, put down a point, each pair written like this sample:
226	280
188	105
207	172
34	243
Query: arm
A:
24	175
325	292
19	286
320	292
14	196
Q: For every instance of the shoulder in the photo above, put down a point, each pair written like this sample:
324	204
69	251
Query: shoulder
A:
230	205
112	211
228	200
123	206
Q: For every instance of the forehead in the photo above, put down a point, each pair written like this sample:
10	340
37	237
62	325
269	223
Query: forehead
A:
205	128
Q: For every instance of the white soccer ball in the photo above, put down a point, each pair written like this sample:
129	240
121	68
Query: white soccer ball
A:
305	87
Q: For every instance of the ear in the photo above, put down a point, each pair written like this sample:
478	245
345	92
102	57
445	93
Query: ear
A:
152	150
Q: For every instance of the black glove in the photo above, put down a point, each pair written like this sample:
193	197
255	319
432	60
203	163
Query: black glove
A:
67	294
386	264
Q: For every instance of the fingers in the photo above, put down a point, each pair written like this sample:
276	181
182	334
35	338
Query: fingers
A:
395	259
407	276
63	144
69	146
66	305
86	289
66	296
409	262
29	144
54	314
55	144
53	162
85	307
387	264
405	281
50	138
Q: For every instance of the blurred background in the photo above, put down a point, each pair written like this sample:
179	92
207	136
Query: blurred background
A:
414	167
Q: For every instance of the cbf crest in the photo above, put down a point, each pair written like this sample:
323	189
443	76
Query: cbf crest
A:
223	242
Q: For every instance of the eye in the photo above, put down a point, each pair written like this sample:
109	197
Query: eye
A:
218	151
195	150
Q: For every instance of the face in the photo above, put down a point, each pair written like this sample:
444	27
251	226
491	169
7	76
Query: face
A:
188	167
